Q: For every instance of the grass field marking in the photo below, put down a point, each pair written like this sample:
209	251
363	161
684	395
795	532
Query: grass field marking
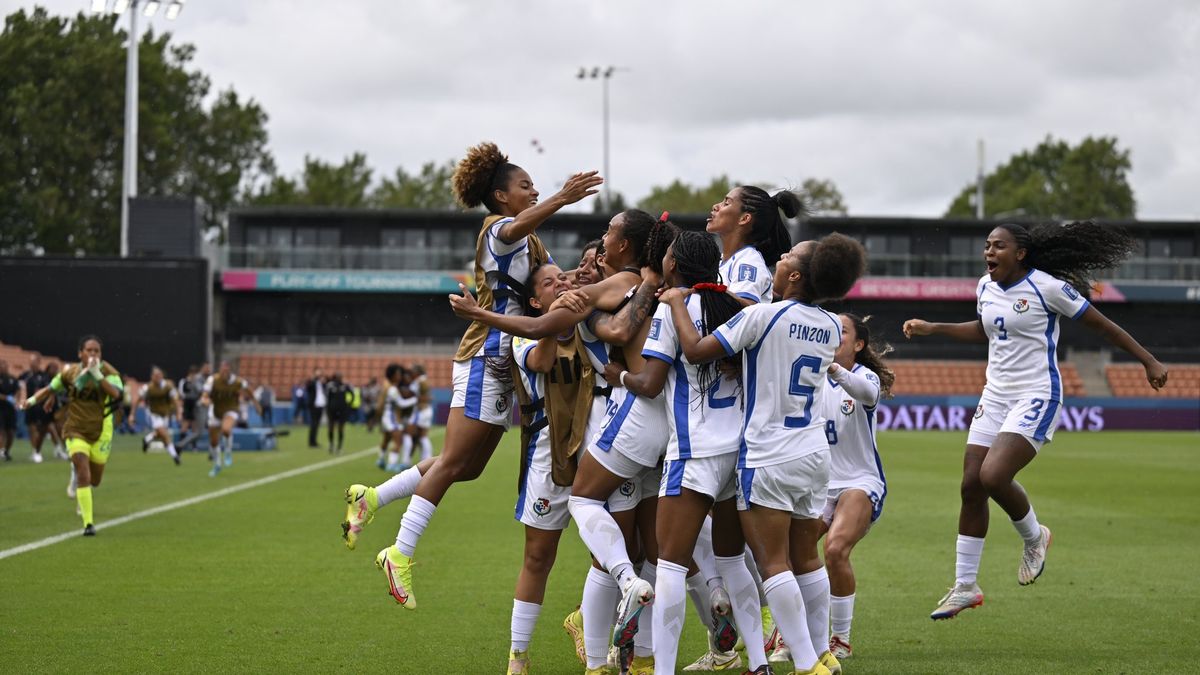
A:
58	538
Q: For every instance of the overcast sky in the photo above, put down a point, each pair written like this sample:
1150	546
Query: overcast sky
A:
886	99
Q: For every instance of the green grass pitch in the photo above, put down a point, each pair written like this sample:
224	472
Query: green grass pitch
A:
260	581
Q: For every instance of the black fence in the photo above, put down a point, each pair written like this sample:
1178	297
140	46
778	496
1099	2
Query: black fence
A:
147	311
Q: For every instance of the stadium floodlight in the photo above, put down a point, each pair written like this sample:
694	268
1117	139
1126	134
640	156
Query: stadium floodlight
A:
99	6
120	6
173	9
151	8
604	74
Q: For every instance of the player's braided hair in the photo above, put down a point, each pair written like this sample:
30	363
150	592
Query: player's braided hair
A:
831	267
697	261
478	175
768	233
1074	251
662	233
872	353
636	226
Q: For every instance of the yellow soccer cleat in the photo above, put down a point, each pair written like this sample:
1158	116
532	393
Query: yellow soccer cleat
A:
601	670
817	669
361	504
830	661
397	567
642	665
573	624
518	662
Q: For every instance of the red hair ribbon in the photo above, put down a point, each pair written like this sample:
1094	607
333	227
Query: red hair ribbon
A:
706	286
664	216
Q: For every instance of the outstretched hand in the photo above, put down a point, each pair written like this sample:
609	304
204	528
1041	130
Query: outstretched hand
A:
580	185
464	306
914	327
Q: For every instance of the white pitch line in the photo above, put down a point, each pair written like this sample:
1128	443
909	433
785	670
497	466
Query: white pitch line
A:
50	541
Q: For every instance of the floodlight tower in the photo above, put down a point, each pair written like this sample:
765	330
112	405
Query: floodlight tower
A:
604	75
129	171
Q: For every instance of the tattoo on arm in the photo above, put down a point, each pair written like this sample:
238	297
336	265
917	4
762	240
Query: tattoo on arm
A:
633	314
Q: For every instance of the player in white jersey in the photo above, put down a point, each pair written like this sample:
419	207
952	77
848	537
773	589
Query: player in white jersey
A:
783	462
1035	277
858	379
397	404
704	415
752	232
480	409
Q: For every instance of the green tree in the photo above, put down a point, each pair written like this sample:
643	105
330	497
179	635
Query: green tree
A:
321	184
618	204
679	197
1056	180
62	93
429	189
822	198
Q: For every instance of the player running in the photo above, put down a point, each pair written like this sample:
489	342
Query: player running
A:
222	392
39	419
163	402
1034	277
92	386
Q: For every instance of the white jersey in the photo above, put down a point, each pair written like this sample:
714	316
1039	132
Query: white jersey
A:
597	352
537	453
850	429
788	347
509	259
702	423
1022	323
398	399
746	275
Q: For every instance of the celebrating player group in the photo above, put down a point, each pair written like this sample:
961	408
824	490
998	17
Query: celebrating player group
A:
707	424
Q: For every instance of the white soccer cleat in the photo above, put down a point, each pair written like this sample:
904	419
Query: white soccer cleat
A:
839	646
962	596
36	457
637	595
715	661
781	653
1033	561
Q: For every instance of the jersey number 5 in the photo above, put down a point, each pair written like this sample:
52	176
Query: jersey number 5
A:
795	388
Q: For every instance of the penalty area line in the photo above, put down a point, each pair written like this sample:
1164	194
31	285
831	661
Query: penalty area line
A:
138	515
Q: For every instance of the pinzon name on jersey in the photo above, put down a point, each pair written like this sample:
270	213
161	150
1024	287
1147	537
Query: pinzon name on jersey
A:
810	333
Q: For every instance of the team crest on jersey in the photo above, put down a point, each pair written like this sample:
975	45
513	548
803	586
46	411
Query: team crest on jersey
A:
627	488
501	404
746	273
848	406
1021	306
979	411
541	506
1070	291
655	328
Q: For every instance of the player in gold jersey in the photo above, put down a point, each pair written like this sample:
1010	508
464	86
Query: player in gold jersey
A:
91	385
162	403
222	394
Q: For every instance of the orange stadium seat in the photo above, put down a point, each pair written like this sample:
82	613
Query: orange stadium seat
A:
1129	379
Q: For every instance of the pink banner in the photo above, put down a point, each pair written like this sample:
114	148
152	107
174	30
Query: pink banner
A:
239	280
910	288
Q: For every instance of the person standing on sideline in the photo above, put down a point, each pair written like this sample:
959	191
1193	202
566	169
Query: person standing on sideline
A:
1035	276
266	402
9	388
370	403
337	394
39	420
315	399
299	406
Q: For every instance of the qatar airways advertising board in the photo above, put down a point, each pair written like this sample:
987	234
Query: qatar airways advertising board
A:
921	414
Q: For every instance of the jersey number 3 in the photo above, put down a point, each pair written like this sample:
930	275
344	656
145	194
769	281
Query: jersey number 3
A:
795	388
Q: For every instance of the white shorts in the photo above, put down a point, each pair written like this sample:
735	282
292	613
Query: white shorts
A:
712	476
481	396
650	480
596	418
798	487
541	503
637	426
389	421
628	493
1033	418
874	490
422	418
159	422
214	422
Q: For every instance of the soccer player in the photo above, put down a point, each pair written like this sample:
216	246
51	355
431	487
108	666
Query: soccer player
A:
337	394
398	399
162	402
480	410
39	419
751	230
222	393
783	463
93	386
421	420
858	379
1035	276
10	387
704	413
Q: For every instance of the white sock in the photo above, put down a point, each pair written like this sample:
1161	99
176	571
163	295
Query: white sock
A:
697	590
814	588
601	534
643	642
702	553
841	612
214	453
670	606
393	458
412	525
1029	528
752	567
787	608
406	450
399	486
148	437
599	609
747	612
969	550
171	450
426	448
524	617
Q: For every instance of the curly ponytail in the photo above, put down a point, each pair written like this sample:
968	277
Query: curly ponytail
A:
478	175
872	354
768	233
834	263
1073	252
